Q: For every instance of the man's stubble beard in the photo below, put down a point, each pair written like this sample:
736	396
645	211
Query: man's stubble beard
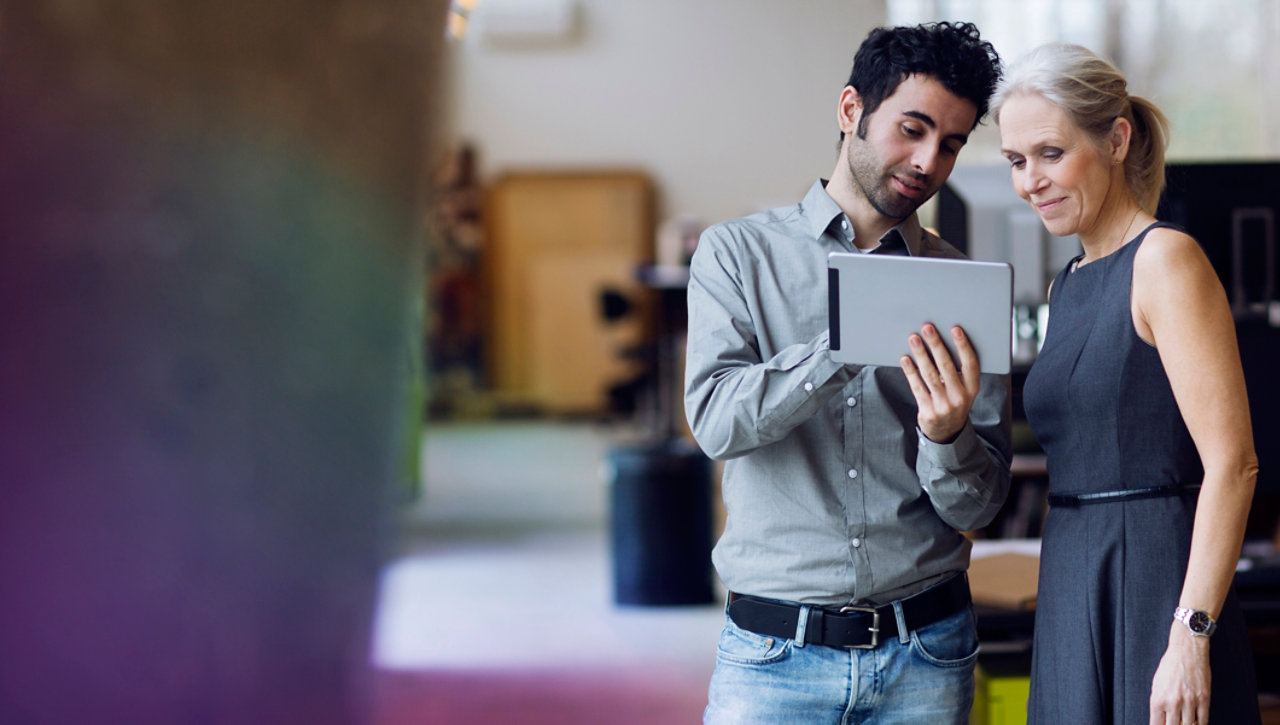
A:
869	179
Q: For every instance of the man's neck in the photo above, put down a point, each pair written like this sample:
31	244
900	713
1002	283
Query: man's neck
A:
869	225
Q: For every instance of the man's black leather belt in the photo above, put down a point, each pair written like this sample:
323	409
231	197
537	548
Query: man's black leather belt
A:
1072	500
853	627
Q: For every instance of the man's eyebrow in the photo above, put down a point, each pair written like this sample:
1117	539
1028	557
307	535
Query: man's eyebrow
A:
927	120
924	118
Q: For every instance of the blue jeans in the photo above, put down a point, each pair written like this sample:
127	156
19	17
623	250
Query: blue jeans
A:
925	676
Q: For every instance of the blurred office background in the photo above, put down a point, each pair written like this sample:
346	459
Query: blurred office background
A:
343	342
567	118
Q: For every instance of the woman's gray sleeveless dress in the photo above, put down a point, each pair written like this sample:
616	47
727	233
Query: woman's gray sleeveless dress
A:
1111	572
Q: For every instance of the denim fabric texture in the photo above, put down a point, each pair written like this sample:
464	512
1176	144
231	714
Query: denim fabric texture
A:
923	676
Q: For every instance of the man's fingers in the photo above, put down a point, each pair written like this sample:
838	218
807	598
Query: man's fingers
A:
918	386
941	354
927	363
969	368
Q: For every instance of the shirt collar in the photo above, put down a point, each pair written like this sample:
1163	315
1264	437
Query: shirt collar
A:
822	212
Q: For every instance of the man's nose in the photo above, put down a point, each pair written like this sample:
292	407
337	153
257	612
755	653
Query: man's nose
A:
925	160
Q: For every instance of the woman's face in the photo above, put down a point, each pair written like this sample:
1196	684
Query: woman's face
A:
1054	164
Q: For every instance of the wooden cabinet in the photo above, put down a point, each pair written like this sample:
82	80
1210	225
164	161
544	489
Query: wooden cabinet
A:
555	242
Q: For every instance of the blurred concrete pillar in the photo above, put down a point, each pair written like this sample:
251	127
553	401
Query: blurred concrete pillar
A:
208	248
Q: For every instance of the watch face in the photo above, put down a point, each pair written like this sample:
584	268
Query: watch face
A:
1199	622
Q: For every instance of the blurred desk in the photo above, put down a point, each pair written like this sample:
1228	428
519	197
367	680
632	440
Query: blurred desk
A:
1002	624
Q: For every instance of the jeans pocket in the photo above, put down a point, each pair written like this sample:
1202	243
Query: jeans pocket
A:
950	642
742	647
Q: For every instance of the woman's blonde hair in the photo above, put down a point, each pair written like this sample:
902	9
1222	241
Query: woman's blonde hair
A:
1094	93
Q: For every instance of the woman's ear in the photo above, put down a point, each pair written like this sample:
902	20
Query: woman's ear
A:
1118	140
849	111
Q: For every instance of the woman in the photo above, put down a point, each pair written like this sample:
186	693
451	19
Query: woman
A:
1139	401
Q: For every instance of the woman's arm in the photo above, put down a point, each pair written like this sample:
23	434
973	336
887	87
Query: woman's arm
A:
1180	307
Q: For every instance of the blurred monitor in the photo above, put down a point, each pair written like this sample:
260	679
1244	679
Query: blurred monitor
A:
981	214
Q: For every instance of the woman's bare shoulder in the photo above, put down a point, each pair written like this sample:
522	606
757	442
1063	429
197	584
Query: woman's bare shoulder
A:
1170	254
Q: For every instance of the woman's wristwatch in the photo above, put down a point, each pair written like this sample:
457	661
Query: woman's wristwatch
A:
1199	623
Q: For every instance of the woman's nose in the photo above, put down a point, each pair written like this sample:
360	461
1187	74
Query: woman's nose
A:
1032	179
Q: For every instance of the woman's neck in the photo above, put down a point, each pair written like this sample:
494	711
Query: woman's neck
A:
1115	229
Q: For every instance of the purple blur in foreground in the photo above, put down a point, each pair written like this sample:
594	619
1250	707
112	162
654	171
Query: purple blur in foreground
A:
208	215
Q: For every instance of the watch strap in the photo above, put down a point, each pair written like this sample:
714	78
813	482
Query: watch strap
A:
1199	623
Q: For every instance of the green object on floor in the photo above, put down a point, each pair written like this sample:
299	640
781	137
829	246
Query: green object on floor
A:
1000	700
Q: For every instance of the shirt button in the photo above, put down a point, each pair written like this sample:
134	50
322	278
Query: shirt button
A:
853	473
856	542
852	402
808	387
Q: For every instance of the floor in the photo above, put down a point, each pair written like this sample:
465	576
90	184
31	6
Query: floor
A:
501	604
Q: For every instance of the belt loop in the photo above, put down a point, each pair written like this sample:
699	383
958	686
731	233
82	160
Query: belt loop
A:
802	623
904	637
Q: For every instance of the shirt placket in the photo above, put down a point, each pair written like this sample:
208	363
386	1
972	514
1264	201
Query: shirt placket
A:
853	460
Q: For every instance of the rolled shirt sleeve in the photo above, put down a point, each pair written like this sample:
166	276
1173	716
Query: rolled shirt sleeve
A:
968	479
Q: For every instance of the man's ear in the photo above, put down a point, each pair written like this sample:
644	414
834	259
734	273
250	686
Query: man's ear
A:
849	111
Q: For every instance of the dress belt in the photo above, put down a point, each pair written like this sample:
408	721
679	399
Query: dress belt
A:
1071	500
852	627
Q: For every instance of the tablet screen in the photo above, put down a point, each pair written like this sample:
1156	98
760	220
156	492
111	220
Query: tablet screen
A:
877	301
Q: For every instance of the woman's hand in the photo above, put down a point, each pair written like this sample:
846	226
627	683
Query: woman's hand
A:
944	392
1180	689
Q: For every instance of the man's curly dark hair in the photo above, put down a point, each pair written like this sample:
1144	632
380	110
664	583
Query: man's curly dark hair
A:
953	53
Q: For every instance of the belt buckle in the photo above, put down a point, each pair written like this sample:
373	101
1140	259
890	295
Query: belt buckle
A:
874	629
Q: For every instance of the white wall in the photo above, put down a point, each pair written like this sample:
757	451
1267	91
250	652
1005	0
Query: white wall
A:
728	104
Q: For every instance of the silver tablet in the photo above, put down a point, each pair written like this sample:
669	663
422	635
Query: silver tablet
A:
877	301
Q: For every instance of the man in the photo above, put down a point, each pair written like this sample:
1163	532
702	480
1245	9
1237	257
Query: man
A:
846	487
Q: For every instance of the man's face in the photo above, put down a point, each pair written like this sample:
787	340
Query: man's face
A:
901	154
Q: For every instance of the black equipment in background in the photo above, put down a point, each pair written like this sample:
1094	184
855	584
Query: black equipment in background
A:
1231	208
